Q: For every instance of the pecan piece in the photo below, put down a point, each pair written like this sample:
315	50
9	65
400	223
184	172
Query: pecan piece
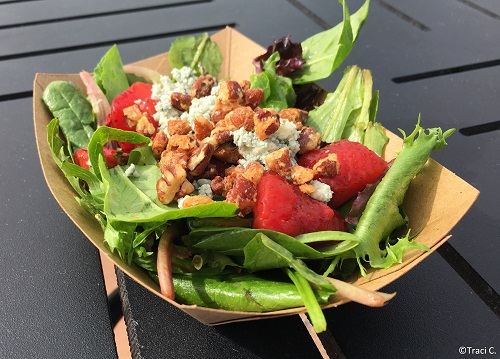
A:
328	166
266	122
159	144
301	175
202	128
180	101
254	97
200	158
202	86
243	194
279	161
227	152
295	115
308	140
195	201
171	182
176	126
241	117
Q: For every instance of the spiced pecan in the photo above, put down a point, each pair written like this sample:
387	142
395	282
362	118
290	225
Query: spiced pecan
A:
295	115
266	122
243	194
227	152
183	143
200	158
132	115
185	189
180	101
173	158
307	188
176	126
253	172
170	183
254	97
327	166
217	186
301	175
230	96
308	140
202	128
279	161
241	117
144	127
202	86
159	144
195	201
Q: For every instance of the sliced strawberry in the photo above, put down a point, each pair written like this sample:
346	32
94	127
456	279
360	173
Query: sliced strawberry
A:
357	166
112	157
282	207
138	94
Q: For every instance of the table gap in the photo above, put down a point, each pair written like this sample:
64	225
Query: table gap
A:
104	13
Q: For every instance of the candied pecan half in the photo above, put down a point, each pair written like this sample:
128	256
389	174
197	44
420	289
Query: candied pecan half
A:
254	97
230	96
173	158
200	158
301	175
184	143
170	183
279	161
241	117
176	126
266	122
185	189
295	115
227	152
253	172
328	166
243	194
202	128
159	144
202	86
195	201
180	101
309	139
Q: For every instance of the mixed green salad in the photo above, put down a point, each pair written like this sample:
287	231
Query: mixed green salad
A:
242	196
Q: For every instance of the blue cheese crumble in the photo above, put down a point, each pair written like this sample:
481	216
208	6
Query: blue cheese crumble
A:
323	191
254	149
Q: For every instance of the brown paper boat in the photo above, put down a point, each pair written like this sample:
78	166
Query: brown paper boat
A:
436	200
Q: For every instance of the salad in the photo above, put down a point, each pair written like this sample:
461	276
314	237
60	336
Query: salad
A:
254	196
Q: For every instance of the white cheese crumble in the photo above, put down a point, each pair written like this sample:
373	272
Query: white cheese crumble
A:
131	171
254	149
323	191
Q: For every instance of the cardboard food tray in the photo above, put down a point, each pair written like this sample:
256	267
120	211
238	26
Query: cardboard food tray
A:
436	200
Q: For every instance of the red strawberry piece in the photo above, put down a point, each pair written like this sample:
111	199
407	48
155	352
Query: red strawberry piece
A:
81	158
282	207
138	94
357	166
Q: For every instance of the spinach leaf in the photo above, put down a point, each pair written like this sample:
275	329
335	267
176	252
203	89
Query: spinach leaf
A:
200	54
109	74
74	112
325	51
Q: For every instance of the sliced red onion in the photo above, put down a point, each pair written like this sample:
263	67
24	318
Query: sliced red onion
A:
100	103
360	295
164	264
